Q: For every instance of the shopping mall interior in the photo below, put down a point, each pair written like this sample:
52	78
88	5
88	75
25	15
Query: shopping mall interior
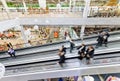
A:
37	29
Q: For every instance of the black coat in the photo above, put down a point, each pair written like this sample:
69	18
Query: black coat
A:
100	38
82	50
90	53
63	50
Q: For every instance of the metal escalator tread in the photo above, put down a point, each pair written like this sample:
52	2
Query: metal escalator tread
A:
48	66
52	56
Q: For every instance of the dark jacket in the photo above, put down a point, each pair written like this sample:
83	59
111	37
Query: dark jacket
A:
90	53
82	50
100	38
63	50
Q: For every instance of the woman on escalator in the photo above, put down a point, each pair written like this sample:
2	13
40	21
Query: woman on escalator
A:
81	51
11	52
89	54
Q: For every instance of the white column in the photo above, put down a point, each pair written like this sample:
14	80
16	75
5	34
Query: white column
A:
24	4
85	14
24	36
42	3
82	32
74	2
5	5
86	9
70	2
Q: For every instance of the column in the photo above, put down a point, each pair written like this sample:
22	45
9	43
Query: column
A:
70	2
86	9
5	5
24	4
42	3
85	14
24	36
6	8
74	3
82	32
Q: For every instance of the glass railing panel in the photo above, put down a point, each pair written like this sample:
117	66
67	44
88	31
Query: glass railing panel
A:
48	34
99	77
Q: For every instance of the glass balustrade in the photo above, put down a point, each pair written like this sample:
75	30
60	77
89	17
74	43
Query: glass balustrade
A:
47	34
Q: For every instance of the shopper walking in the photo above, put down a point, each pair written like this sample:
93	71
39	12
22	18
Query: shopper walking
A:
105	38
99	40
72	45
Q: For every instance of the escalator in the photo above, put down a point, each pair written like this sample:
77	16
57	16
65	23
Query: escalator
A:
53	55
30	67
72	67
56	46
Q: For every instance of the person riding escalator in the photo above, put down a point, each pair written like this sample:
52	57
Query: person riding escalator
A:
62	52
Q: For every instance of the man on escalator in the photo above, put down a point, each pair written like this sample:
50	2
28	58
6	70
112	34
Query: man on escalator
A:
89	54
81	51
105	38
99	40
62	52
72	45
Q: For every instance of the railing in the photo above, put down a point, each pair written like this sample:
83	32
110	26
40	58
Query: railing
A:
43	41
33	43
36	12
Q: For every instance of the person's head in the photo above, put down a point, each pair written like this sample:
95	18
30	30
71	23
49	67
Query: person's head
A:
90	47
83	44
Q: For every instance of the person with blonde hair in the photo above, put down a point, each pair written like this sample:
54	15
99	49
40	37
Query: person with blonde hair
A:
81	51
